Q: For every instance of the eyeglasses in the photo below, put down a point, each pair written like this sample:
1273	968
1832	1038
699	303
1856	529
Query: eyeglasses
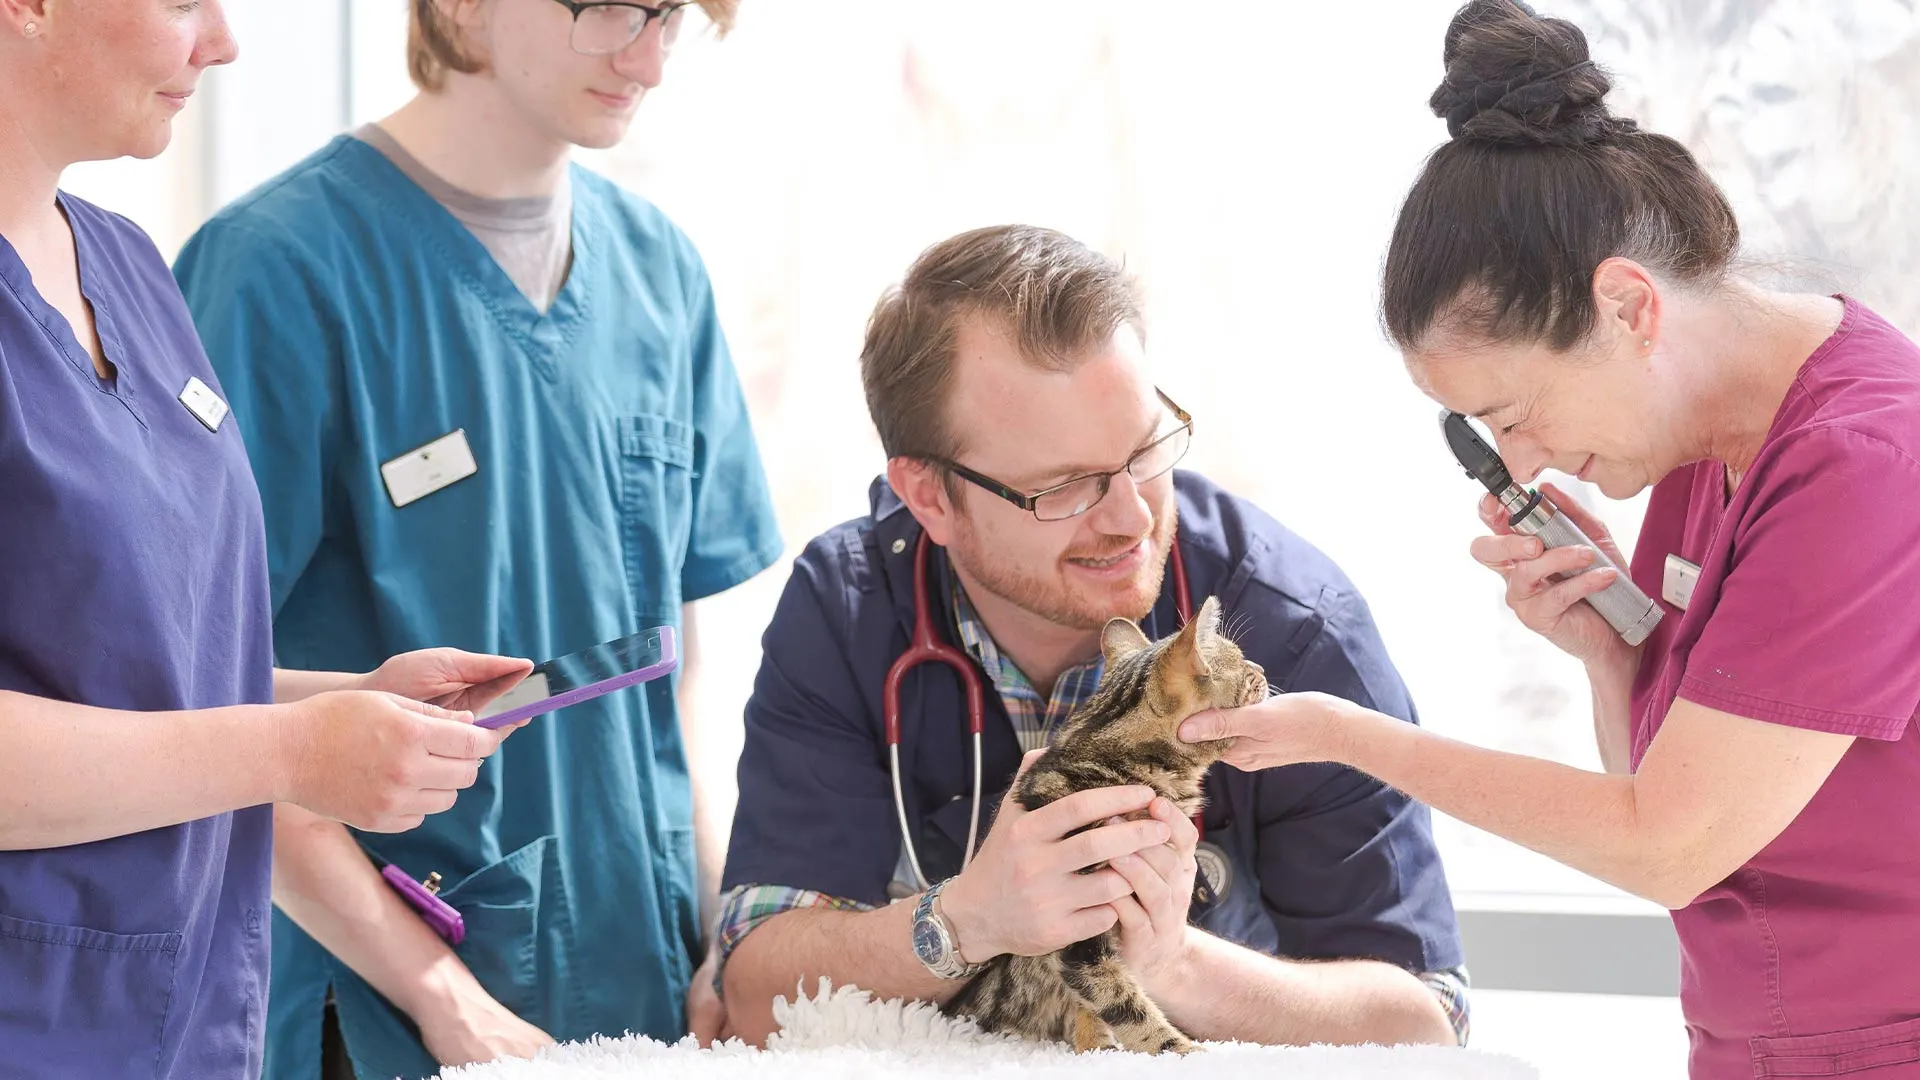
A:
1083	493
605	26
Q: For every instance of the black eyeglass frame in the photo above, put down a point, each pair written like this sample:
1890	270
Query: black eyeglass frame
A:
650	13
1031	502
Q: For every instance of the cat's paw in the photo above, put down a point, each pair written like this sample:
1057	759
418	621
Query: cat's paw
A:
1091	1033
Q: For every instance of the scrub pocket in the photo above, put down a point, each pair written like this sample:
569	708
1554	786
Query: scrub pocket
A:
678	867
1838	1053
656	510
518	929
81	1002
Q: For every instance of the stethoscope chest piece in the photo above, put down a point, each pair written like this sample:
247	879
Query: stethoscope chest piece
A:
1213	877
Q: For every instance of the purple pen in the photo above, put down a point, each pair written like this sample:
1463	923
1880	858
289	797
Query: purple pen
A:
423	895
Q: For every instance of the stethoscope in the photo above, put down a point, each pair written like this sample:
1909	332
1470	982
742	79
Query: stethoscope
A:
1215	870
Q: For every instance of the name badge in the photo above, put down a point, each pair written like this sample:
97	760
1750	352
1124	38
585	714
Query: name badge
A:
203	403
418	473
1676	585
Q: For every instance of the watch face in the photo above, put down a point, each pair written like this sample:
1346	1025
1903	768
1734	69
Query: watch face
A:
926	942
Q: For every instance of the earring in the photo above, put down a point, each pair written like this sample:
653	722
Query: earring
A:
31	29
1646	343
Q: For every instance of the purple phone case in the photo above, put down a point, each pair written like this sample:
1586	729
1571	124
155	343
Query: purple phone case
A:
437	912
669	658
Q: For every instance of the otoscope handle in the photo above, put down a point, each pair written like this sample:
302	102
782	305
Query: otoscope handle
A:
1632	614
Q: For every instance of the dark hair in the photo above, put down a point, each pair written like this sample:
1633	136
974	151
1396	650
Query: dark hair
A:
1500	236
1054	295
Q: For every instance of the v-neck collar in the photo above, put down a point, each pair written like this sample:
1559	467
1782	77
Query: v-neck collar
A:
542	335
60	332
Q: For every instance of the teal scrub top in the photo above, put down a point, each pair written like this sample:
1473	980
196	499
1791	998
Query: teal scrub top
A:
353	320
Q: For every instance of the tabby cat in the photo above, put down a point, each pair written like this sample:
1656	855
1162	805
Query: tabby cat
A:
1126	733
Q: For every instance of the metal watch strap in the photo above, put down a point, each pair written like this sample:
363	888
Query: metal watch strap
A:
930	923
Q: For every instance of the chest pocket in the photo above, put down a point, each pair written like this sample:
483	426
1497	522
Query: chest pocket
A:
656	509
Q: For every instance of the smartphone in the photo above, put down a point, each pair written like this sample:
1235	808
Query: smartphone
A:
589	673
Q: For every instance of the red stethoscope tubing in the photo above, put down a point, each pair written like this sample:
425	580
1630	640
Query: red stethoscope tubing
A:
926	647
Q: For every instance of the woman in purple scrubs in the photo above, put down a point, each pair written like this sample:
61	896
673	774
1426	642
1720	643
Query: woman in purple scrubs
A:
1570	278
140	739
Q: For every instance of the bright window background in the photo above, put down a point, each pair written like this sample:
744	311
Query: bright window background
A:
1246	161
1248	176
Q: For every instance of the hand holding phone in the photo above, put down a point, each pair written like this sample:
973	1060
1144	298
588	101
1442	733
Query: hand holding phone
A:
589	673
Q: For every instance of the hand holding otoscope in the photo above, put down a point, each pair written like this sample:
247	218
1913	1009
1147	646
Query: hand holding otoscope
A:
1543	553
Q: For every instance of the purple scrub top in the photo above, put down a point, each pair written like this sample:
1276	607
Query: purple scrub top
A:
133	575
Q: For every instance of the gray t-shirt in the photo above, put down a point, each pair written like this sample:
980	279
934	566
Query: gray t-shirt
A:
531	238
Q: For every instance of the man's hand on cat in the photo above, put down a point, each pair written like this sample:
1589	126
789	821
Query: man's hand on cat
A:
1023	894
1153	919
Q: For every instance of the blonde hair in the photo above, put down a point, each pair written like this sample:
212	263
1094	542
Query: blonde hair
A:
434	46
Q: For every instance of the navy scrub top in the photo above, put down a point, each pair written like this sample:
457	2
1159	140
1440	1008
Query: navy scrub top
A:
133	575
1328	862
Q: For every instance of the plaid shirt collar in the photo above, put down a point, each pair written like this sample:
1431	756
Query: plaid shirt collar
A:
1035	721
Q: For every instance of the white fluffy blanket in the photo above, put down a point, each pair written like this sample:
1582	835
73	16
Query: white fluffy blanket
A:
846	1035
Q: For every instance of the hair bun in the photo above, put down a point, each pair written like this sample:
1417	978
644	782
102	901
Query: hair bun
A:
1517	79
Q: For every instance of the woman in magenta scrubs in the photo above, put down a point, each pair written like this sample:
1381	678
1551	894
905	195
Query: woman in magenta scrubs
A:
1567	277
143	728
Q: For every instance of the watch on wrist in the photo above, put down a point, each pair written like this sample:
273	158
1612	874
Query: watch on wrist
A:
933	940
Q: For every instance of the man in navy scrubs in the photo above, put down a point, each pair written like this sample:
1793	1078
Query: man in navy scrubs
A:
1007	379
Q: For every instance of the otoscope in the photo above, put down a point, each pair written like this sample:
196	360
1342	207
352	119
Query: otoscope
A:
1622	603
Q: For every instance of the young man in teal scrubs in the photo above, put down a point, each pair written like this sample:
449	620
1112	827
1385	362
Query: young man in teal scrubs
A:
489	405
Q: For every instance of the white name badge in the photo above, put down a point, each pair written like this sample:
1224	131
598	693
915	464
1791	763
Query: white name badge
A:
203	403
1676	585
419	473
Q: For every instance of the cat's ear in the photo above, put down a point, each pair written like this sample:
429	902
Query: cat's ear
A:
1207	623
1190	647
1121	639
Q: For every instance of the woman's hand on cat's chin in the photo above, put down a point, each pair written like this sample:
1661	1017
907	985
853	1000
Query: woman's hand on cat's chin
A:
1283	730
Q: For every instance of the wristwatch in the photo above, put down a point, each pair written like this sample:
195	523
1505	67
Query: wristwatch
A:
933	939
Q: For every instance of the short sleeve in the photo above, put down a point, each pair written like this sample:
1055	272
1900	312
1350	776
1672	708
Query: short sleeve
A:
276	354
1814	624
735	533
816	800
1348	866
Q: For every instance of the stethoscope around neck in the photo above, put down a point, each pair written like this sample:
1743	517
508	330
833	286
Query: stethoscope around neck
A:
927	647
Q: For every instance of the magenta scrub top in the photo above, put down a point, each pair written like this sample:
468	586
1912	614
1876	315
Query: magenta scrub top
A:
1806	961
